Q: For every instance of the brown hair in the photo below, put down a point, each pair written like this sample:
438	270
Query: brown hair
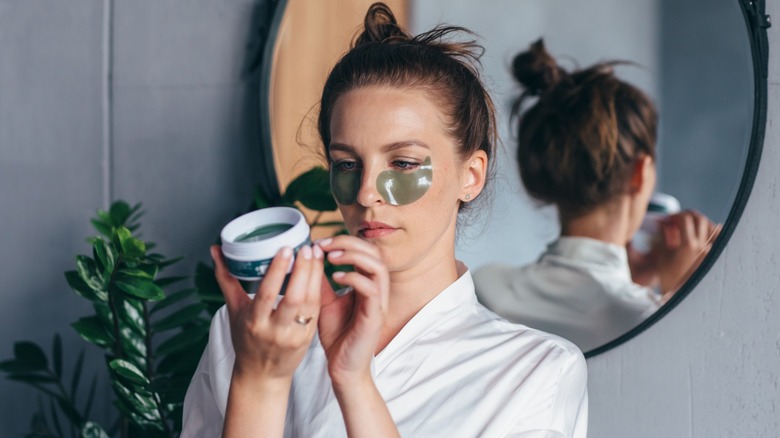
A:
578	142
383	54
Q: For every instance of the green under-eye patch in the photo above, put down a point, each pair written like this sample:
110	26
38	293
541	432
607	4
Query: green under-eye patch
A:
395	186
400	188
344	185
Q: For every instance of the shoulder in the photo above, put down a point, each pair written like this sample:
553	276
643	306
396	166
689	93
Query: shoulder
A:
533	369
519	343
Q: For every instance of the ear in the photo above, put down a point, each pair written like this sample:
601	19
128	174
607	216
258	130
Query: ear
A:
642	174
473	175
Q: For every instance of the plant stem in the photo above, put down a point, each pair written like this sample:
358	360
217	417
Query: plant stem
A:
117	350
316	219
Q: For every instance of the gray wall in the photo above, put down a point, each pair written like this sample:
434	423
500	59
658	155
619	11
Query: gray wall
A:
175	129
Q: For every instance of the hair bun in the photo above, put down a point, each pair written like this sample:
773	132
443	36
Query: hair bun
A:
536	69
380	26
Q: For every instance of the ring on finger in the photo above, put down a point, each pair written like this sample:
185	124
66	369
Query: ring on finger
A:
303	320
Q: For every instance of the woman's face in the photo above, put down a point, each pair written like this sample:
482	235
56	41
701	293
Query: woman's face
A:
382	140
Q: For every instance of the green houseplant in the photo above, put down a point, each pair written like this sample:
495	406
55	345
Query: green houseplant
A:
152	338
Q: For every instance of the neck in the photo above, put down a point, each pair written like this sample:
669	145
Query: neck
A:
609	223
412	288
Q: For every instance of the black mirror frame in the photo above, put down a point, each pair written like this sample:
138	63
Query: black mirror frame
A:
757	22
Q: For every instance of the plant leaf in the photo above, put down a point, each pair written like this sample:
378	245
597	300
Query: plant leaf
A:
102	227
172	299
55	418
208	288
12	366
105	254
56	355
131	314
188	337
90	429
120	211
92	330
128	371
261	201
164	263
167	281
130	247
31	378
139	401
70	411
182	363
30	356
88	272
90	396
133	346
139	287
312	189
81	288
179	317
76	376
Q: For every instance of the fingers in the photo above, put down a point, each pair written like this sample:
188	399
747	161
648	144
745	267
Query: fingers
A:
271	284
299	299
371	278
235	296
349	243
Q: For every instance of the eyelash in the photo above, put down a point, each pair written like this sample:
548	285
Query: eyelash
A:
345	166
341	166
405	164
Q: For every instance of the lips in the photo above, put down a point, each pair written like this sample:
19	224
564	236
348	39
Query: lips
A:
372	230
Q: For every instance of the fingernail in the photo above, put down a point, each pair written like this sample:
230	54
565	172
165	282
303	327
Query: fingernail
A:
324	242
335	254
343	291
339	274
317	252
286	252
306	252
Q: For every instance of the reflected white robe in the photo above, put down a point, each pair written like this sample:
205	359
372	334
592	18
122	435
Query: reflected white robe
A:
456	369
580	289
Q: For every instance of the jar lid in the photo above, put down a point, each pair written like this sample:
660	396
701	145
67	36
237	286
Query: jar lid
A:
268	247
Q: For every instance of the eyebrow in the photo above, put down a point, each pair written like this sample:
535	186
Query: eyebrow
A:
386	148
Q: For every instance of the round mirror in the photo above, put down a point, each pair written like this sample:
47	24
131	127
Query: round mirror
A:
703	66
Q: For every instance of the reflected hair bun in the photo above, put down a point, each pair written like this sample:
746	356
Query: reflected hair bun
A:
536	70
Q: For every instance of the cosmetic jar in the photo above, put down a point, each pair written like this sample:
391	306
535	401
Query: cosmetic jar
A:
660	206
250	241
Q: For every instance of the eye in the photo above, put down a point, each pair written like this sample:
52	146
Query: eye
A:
405	164
345	165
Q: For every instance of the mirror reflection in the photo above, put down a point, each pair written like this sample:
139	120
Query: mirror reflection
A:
692	64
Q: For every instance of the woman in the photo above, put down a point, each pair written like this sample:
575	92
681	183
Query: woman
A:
408	130
587	145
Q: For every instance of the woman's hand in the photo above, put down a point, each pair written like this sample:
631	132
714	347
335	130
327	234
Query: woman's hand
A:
269	343
350	326
686	238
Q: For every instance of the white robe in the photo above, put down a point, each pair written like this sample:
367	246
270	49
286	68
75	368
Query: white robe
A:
580	289
456	369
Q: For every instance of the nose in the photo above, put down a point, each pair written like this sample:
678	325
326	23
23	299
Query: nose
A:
368	195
